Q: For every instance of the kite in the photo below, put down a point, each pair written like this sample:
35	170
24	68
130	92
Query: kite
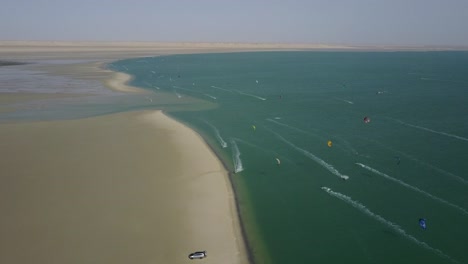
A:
422	223
278	161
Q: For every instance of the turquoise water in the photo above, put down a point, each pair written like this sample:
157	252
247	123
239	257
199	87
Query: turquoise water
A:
407	163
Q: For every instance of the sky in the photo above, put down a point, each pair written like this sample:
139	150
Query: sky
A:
334	22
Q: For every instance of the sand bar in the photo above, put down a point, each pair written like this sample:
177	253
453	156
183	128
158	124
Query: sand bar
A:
133	187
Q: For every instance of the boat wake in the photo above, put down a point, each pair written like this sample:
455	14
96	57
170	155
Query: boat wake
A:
382	220
413	188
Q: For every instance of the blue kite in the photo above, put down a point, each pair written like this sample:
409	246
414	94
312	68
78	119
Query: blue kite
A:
422	223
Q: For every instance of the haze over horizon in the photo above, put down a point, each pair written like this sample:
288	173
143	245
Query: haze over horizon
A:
359	22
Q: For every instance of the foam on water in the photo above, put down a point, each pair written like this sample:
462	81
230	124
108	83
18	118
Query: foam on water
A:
382	220
236	157
413	188
321	162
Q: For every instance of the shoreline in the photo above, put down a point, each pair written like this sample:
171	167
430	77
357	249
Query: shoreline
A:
141	189
119	81
189	47
233	190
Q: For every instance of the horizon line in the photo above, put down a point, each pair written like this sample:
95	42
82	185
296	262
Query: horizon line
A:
238	44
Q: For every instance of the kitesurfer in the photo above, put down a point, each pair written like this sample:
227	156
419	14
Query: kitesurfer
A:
422	223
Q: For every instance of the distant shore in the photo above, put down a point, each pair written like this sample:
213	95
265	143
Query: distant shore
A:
20	50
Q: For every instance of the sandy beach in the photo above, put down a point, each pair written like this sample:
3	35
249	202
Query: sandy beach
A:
132	187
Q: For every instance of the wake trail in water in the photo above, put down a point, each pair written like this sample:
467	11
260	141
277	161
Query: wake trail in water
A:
430	130
251	95
236	157
423	163
413	188
288	126
321	162
346	144
382	220
218	135
266	151
219	88
440	80
184	89
212	97
343	100
177	94
294	128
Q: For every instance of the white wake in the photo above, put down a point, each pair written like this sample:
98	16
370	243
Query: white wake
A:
218	135
382	220
430	130
321	162
251	95
219	88
402	183
236	157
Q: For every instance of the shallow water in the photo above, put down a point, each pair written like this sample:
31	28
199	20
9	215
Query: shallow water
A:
37	94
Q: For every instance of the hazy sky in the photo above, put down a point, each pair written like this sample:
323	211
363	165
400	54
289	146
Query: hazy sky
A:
358	22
